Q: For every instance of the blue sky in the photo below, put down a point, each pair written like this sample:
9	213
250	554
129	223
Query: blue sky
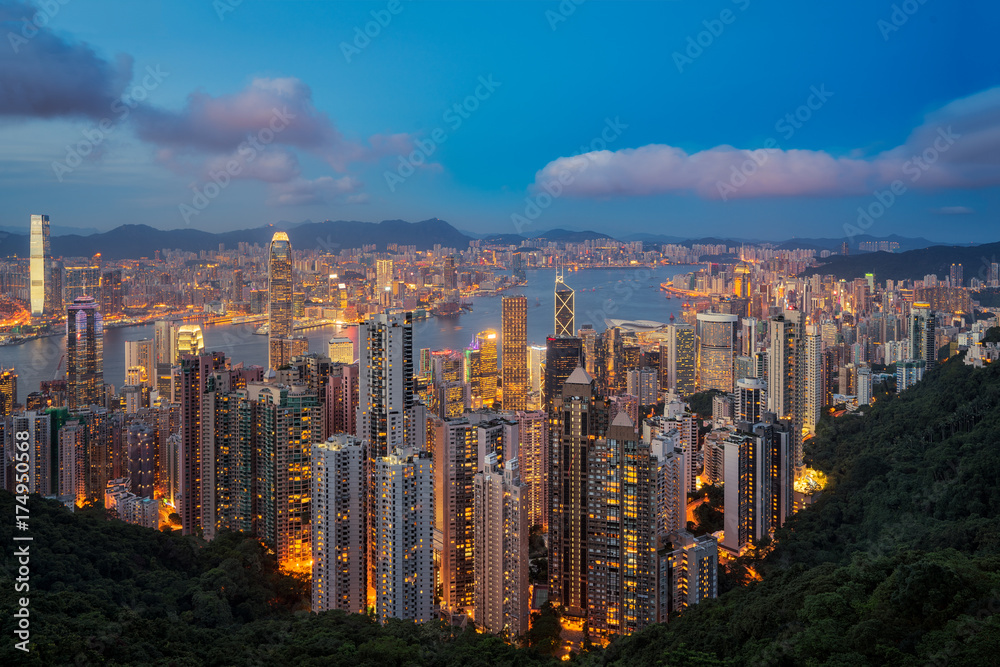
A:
556	80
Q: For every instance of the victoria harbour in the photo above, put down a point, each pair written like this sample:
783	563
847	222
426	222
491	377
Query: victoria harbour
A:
620	294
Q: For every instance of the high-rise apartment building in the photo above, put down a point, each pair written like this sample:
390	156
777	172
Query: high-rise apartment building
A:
402	492
514	337
386	382
84	354
533	463
500	544
339	525
287	422
279	290
750	404
814	379
456	453
922	334
786	376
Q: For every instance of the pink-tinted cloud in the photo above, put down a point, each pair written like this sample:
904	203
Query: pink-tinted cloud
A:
44	75
956	146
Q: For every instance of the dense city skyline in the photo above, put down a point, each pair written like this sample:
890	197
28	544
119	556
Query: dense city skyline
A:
666	103
517	333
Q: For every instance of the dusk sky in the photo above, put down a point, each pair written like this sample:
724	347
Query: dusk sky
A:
613	106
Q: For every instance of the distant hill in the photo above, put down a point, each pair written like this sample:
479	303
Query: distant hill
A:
913	264
834	244
128	241
570	236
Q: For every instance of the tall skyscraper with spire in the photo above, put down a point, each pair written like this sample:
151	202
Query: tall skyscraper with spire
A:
84	354
514	334
279	295
565	311
40	266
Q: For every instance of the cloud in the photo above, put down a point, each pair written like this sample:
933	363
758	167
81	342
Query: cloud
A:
43	75
957	146
321	190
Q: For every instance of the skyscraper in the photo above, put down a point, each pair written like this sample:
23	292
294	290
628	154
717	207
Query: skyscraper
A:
486	343
922	334
339	499
681	359
83	280
279	291
195	480
455	450
288	421
716	351
8	391
565	309
620	523
501	550
383	274
84	354
514	335
562	357
814	378
957	277
750	394
164	354
140	354
386	386
533	463
40	265
786	375
577	418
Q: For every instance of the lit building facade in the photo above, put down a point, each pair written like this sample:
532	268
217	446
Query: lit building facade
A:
84	354
514	336
339	525
279	289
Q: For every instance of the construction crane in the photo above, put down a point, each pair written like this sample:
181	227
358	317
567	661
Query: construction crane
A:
58	366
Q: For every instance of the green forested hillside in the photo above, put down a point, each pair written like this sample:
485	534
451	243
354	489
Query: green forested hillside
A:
897	563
